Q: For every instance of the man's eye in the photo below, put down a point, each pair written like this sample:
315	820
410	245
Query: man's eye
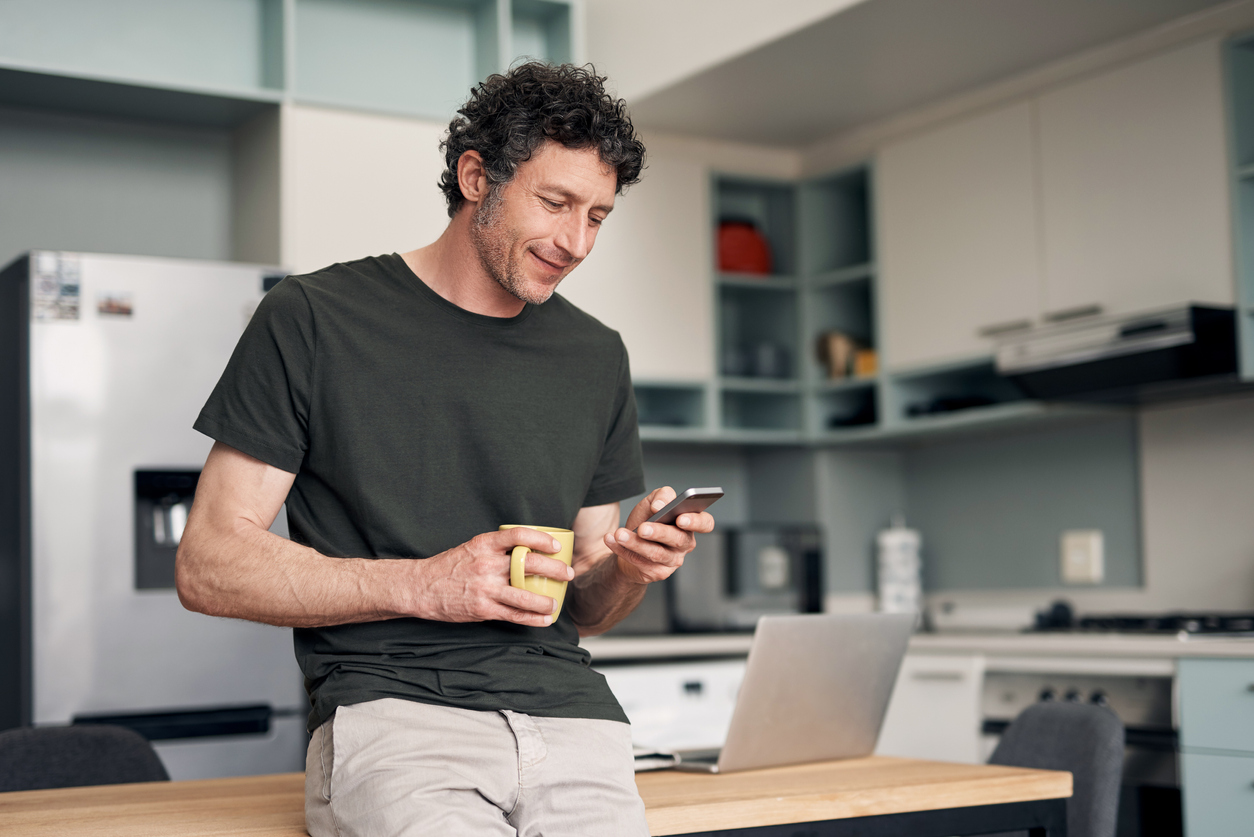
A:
552	204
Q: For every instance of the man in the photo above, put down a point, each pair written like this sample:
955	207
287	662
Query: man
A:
406	406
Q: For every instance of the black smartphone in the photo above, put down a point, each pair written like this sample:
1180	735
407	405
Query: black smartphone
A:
692	500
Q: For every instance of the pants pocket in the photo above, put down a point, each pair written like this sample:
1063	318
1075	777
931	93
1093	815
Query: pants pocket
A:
327	756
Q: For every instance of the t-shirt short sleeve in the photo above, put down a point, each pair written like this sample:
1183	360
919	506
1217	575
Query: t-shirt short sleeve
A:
620	473
261	404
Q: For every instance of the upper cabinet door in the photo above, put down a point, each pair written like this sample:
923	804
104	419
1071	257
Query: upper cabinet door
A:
958	237
648	276
357	184
1134	186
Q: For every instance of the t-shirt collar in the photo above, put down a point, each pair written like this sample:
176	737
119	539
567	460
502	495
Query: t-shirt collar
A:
397	264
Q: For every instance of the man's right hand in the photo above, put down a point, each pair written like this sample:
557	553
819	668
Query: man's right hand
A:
229	564
470	582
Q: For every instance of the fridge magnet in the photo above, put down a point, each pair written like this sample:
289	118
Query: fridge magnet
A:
114	305
54	286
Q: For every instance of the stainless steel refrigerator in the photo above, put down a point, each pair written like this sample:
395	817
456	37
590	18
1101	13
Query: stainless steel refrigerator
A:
104	363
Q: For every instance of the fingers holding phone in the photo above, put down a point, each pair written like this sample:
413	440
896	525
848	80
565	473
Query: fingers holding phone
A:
659	531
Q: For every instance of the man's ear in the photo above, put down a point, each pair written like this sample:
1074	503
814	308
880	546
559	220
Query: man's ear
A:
472	178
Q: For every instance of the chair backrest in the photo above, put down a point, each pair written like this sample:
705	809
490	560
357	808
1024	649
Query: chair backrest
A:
35	758
1084	739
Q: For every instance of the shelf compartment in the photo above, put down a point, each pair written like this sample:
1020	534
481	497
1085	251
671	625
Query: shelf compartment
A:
661	433
415	58
753	281
768	205
854	274
741	384
846	309
540	30
169	43
846	408
840	384
96	96
951	391
757	332
761	411
665	406
836	221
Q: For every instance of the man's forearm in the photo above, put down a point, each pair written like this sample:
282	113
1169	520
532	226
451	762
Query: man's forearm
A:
249	573
602	597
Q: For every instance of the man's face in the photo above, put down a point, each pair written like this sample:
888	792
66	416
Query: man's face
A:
535	229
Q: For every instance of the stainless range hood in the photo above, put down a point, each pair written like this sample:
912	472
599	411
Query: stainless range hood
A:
1169	353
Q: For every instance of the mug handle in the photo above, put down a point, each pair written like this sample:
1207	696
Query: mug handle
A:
517	560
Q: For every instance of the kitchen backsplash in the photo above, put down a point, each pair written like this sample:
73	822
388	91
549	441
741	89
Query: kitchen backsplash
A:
1169	487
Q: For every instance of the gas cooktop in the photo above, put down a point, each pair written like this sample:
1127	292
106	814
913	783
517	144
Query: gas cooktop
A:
1165	623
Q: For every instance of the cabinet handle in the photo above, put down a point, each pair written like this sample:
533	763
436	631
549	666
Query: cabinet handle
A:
1009	327
1072	313
951	676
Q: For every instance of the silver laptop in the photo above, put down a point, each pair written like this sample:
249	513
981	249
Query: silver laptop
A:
816	687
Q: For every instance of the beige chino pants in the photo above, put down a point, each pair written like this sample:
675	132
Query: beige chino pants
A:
388	768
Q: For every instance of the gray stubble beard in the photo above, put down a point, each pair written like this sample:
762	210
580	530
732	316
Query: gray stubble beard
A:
492	244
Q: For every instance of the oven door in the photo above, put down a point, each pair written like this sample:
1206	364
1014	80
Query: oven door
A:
1149	800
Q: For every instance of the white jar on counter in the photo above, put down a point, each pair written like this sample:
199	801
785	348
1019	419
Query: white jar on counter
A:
899	570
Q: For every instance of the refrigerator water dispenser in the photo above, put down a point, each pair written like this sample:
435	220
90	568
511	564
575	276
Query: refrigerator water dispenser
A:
163	499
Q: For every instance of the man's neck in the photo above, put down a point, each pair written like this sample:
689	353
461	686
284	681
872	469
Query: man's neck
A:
451	267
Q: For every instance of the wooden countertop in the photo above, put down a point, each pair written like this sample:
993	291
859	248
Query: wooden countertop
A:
677	803
1075	645
1095	644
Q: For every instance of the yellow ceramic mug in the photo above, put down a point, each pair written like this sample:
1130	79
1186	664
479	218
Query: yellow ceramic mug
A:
540	584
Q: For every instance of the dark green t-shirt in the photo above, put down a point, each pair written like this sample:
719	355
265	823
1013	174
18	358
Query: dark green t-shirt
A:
413	425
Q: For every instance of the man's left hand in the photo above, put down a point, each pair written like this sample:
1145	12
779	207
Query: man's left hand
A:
649	552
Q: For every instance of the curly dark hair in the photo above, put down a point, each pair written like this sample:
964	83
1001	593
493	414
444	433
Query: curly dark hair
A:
508	116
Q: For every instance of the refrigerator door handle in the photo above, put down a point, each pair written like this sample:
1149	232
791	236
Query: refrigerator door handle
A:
250	719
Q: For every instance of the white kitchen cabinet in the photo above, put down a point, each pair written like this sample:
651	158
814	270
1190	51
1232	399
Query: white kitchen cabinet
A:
674	706
356	184
1217	745
1134	194
957	221
648	274
934	712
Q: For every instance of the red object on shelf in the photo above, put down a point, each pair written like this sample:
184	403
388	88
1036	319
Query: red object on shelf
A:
742	248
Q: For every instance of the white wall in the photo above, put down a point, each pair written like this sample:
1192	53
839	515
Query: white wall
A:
355	184
647	275
650	275
646	45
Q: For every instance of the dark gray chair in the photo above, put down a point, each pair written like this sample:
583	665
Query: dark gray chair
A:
35	758
1084	739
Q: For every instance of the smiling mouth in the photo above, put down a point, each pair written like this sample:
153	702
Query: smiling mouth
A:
553	266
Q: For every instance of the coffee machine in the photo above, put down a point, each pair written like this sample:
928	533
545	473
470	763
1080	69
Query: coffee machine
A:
734	576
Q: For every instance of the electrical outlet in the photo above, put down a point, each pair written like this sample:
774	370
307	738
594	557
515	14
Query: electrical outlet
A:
1083	561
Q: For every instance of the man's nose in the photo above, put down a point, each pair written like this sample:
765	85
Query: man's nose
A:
575	237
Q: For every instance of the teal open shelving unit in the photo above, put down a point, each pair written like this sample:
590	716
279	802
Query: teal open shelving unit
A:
217	63
758	394
824	279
